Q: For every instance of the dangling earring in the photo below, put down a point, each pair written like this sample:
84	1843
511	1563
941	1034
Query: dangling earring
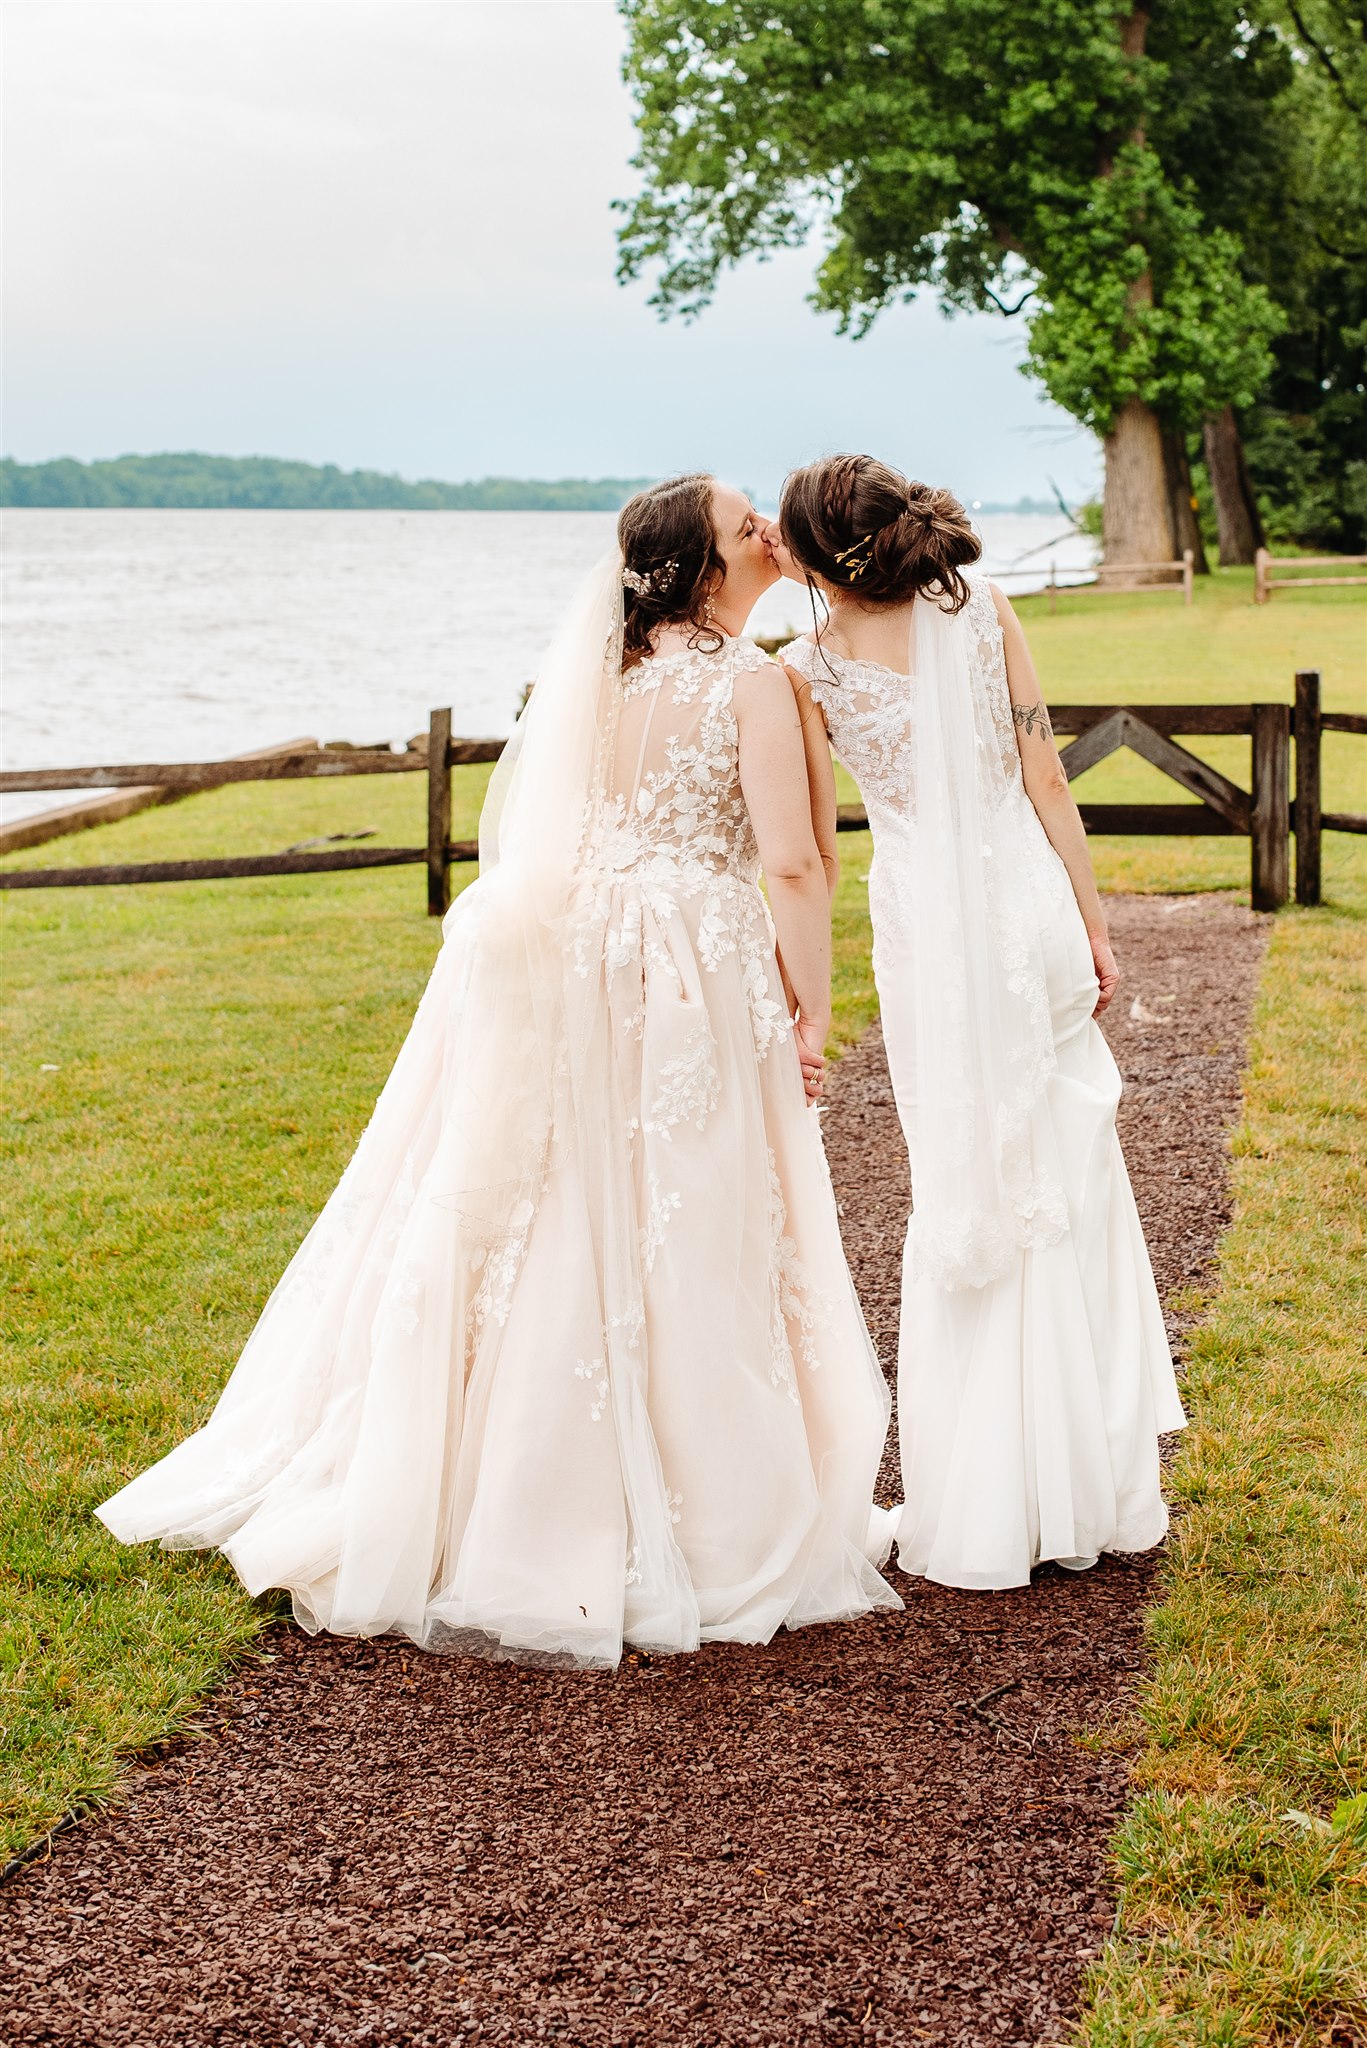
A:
708	610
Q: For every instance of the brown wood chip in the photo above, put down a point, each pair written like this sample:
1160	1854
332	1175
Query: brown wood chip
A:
881	1831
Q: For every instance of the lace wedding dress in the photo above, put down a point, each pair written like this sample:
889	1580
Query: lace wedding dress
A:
572	1355
1034	1373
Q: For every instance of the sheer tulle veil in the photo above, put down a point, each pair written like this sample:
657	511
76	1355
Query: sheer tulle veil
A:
510	928
559	749
346	1383
983	1042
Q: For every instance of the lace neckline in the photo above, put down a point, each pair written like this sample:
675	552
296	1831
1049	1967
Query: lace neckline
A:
730	641
675	654
850	663
686	669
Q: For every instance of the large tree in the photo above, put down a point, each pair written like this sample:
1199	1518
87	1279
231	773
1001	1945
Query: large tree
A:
1270	128
998	152
1306	433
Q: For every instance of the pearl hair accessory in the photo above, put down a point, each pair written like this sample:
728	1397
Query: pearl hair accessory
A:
650	582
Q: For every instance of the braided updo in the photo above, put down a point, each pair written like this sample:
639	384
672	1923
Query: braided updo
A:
668	540
864	528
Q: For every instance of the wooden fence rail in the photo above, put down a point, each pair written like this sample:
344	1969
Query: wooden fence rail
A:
1142	574
1265	582
1265	814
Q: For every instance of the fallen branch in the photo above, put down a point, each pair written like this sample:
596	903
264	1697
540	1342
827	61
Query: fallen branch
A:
979	1707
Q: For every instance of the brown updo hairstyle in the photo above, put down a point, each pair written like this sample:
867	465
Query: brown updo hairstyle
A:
865	528
668	537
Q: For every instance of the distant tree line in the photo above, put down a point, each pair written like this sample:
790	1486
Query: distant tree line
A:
260	483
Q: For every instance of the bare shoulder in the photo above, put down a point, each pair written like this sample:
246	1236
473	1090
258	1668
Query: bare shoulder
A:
756	673
801	660
763	688
1005	614
809	708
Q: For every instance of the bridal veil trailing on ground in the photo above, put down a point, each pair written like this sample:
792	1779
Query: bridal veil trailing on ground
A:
1034	1373
571	1355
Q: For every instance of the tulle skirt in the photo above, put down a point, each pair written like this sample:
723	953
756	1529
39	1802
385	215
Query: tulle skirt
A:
1029	1409
643	1409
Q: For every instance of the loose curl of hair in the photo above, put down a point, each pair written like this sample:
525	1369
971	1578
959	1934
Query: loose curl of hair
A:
667	535
865	528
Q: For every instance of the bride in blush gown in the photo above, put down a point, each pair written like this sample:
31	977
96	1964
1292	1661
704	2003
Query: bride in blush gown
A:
572	1356
1034	1374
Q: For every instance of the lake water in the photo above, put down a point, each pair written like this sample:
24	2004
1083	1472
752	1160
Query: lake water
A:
163	636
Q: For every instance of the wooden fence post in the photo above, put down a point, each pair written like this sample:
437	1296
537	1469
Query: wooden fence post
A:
1261	592
1306	729
438	813
1271	811
1188	571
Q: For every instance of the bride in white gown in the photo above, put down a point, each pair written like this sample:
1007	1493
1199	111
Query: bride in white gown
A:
1034	1374
572	1355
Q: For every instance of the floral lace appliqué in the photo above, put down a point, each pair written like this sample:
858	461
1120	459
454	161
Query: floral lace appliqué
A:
595	1371
795	1308
688	1085
662	1205
682	815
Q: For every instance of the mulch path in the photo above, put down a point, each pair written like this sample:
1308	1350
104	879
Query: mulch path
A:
821	1841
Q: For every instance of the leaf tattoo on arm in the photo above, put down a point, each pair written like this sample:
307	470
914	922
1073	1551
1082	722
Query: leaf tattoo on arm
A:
1032	718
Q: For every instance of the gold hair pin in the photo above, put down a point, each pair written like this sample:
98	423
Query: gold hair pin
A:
846	556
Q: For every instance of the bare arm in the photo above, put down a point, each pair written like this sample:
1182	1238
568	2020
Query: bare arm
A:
1046	785
821	787
820	777
773	776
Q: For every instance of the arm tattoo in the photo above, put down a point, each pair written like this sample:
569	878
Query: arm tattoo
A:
1032	718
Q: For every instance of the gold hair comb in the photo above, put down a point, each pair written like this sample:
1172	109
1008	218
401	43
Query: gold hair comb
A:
846	556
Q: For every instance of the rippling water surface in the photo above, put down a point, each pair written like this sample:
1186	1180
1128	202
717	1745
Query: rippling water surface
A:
162	636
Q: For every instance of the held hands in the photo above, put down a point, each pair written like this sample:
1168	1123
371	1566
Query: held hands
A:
809	1035
1107	973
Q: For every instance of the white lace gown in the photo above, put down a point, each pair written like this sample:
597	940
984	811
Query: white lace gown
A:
1029	1408
653	1413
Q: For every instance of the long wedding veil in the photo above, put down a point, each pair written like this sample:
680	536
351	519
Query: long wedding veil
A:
509	930
983	1040
534	809
323	1465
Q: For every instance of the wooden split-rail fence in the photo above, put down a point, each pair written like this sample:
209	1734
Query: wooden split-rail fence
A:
1266	579
1266	814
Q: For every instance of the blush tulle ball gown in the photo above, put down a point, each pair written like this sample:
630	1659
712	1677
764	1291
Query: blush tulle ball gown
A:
571	1357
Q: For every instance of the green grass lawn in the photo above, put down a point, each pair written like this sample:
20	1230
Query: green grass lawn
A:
187	1068
1243	1859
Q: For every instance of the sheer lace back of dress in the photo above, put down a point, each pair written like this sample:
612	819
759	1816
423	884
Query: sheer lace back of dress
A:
868	707
672	797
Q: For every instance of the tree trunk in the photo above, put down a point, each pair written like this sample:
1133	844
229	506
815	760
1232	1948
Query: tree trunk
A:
1236	508
1136	510
1136	519
1182	499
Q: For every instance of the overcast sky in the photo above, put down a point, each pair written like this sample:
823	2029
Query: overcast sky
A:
380	235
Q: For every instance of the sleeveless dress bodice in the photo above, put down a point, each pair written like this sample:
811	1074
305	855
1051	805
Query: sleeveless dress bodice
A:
673	809
868	712
867	708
